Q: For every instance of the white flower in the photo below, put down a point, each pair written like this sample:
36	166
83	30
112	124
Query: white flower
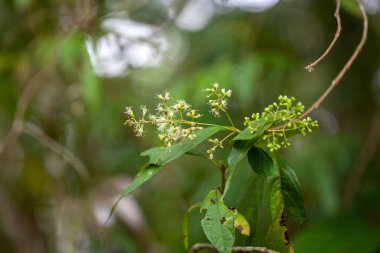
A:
129	111
161	107
167	96
139	129
144	110
153	118
181	105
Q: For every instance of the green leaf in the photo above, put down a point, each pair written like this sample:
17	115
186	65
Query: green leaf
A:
250	201
185	224
284	198
238	152
261	162
146	172
218	223
159	156
293	196
243	142
277	235
163	155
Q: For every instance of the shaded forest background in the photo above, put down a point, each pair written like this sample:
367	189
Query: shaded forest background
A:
68	69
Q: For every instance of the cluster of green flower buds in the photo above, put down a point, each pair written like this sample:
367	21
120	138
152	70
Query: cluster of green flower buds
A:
283	116
218	100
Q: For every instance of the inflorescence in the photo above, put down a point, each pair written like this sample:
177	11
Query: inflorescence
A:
174	122
282	116
218	100
177	121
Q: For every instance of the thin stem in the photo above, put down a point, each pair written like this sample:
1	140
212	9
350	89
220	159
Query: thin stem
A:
200	246
194	153
228	136
221	166
229	119
311	66
232	129
223	169
348	64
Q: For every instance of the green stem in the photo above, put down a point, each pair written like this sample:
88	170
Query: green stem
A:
232	129
229	119
195	153
225	138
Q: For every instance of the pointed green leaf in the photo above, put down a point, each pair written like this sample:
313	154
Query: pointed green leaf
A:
185	224
277	234
250	203
146	172
243	142
159	156
293	196
218	223
260	161
238	152
163	155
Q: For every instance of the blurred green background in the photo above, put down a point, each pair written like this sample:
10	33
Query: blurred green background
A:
68	69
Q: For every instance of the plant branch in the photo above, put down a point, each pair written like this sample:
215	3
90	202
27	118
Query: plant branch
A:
57	148
311	66
31	88
199	246
348	64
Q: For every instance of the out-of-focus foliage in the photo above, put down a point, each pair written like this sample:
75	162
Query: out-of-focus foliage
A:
89	59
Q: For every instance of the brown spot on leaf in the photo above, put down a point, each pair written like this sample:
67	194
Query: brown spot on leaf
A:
239	228
283	224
